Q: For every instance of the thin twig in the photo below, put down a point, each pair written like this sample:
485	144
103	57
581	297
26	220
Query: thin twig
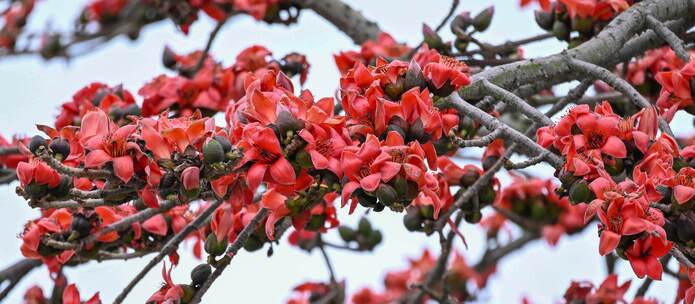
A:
327	260
231	252
477	142
169	247
516	102
208	46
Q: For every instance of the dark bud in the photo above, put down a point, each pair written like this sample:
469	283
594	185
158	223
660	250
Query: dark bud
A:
374	239
685	226
253	244
561	30
386	194
544	20
414	76
226	145
396	129
412	219
400	184
131	110
432	39
378	207
169	58
427	212
364	227
461	44
346	233
63	188
36	142
487	195
473	217
615	167
580	192
365	200
188	293
461	23
469	178
663	190
200	273
287	122
316	222
36	191
213	152
488	162
394	90
99	96
417	130
482	21
583	25
80	226
214	247
679	163
60	148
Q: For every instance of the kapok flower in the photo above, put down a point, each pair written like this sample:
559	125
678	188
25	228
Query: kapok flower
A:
676	90
261	146
107	143
644	254
170	292
72	296
324	145
683	184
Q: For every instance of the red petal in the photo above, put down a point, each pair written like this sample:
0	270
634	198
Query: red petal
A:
123	168
609	241
371	182
282	172
156	225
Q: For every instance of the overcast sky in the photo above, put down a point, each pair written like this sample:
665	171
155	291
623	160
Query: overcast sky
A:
32	90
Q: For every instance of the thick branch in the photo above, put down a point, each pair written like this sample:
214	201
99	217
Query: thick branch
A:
670	37
345	18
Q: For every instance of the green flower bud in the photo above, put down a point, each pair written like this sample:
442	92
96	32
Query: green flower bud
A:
580	192
544	20
386	194
583	25
168	58
561	30
36	191
364	227
80	226
374	239
303	158
473	217
213	152
482	21
346	233
427	212
214	247
188	293
413	219
226	145
487	195
253	243
62	190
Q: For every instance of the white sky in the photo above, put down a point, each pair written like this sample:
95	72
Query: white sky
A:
32	90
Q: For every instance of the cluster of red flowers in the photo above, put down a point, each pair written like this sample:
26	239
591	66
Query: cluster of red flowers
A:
14	18
608	292
537	201
462	281
385	46
602	152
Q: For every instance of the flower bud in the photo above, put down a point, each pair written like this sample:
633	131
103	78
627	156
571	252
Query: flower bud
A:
374	239
487	195
395	128
200	273
60	148
583	25
414	76
346	233
131	110
287	122
214	247
253	243
364	227
461	44
580	192
412	219
188	293
417	130
561	30
36	191
226	145
36	142
473	217
665	191
482	21
394	90
544	19
461	23
213	152
489	161
468	178
432	39
80	226
365	200
427	212
169	58
386	194
316	222
400	184
63	188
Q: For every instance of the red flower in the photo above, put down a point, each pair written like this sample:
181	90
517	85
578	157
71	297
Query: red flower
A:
676	89
324	145
261	146
38	172
107	143
644	256
170	292
275	202
365	168
72	296
683	184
